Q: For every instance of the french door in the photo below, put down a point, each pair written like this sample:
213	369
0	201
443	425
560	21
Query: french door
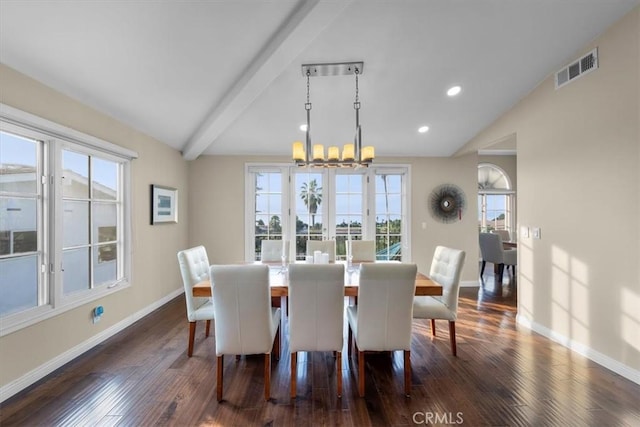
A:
301	204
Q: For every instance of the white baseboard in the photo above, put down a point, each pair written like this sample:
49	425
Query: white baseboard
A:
45	369
601	359
469	284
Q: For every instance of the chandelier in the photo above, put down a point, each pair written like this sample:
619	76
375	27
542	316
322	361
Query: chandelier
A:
353	155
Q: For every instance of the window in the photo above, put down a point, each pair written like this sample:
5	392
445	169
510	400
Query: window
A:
64	218
317	204
496	199
390	215
268	207
20	228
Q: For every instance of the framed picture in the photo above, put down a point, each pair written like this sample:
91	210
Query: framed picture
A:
164	205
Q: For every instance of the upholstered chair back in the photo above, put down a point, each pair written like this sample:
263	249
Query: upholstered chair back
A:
445	270
363	250
242	306
385	301
316	312
194	267
271	250
491	248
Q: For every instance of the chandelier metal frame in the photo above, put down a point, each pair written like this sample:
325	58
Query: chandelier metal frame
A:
353	155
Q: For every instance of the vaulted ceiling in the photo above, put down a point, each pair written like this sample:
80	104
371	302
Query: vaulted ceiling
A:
224	77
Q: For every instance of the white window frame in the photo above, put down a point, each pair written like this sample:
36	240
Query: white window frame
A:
250	203
328	208
52	302
510	205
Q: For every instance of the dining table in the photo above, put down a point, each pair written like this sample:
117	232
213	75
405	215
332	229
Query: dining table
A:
278	283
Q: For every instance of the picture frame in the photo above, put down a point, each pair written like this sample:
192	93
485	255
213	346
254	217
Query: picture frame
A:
164	205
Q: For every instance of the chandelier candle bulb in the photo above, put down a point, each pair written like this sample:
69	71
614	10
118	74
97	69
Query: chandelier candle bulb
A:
318	152
334	153
298	151
348	152
368	153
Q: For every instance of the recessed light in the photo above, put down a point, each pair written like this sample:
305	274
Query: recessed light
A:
303	128
454	91
423	129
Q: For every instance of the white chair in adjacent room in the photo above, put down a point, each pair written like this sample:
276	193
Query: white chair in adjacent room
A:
445	270
382	319
316	296
504	234
363	250
271	250
492	251
245	321
194	267
324	246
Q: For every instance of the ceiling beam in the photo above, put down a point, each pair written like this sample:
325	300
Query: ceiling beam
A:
306	22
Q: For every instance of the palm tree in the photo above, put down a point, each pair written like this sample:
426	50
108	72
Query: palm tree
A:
311	195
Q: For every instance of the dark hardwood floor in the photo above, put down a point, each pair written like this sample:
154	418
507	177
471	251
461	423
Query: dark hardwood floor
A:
502	376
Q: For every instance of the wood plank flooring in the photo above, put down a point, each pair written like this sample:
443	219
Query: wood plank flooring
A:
502	376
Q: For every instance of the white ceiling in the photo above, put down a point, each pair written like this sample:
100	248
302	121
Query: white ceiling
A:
223	77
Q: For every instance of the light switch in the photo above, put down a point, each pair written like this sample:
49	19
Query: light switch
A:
524	232
536	233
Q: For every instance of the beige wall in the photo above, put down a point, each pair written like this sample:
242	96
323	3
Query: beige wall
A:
217	207
579	180
155	268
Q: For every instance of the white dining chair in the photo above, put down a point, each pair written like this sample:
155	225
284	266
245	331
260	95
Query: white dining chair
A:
324	246
194	267
363	250
316	298
491	250
382	319
271	250
445	270
245	321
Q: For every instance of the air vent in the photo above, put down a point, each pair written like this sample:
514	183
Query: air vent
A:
578	68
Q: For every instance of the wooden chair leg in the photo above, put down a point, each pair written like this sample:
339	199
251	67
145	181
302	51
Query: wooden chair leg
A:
482	268
294	373
433	327
407	373
361	373
192	334
207	328
220	369
267	376
339	372
452	336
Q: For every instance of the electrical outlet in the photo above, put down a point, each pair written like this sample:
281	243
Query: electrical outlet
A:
97	313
